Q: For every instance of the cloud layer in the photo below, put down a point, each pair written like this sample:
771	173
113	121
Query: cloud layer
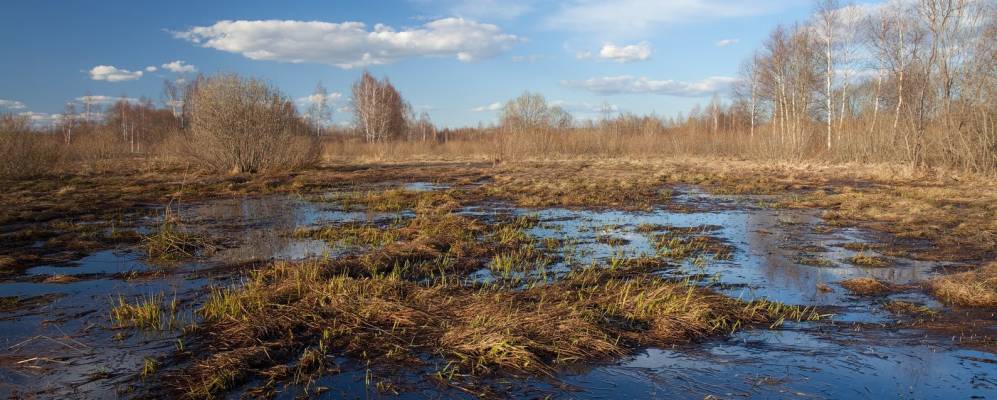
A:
350	44
111	73
631	85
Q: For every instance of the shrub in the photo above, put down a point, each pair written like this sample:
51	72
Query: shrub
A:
245	125
25	153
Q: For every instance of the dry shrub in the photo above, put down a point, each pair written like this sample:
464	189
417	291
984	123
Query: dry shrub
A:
977	288
96	146
245	125
24	153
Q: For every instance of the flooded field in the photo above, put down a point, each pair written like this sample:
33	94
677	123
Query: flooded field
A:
59	338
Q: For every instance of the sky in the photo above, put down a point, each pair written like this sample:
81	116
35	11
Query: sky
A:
457	60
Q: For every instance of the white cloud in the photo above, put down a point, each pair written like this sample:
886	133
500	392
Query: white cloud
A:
583	55
726	42
104	100
629	53
491	107
179	67
111	73
350	44
637	16
629	84
314	98
11	104
151	68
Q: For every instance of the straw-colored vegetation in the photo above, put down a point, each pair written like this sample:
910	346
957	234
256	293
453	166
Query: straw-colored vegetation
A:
291	311
866	286
977	288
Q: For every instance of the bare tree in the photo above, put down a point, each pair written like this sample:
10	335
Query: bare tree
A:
174	93
378	109
827	18
531	111
319	108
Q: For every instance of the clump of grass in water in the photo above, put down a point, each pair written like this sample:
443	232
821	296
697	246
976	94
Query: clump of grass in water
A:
906	308
148	312
977	288
866	286
864	260
589	315
171	242
149	367
815	261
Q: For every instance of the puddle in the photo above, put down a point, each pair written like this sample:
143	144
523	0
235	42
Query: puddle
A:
101	262
769	259
796	364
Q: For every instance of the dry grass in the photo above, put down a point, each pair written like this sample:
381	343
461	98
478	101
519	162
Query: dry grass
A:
977	288
866	286
290	311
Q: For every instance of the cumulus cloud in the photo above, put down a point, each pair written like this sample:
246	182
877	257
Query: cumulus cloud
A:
11	104
111	73
151	68
629	84
726	42
636	16
179	67
491	107
350	44
629	53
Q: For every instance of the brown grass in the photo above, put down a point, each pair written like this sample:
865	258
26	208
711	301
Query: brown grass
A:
866	286
977	288
289	311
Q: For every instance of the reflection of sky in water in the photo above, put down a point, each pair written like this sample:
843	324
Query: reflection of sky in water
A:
797	364
837	364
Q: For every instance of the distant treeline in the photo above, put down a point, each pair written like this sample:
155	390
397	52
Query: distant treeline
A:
906	82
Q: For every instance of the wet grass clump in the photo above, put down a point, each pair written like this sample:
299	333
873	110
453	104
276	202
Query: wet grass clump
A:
300	314
172	242
977	288
152	312
680	245
906	308
866	286
865	260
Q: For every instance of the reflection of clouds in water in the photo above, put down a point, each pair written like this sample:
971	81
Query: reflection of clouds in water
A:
844	364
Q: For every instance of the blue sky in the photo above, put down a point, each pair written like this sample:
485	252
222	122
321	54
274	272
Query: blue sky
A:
450	58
